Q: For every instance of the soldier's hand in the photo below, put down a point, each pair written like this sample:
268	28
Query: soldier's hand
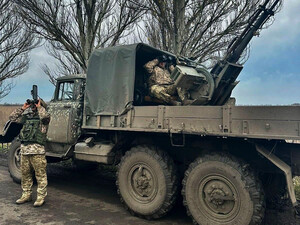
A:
38	105
25	106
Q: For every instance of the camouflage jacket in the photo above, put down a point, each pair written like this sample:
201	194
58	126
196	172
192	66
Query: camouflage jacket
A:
18	116
158	75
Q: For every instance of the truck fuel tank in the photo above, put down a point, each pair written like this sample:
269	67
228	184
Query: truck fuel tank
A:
99	152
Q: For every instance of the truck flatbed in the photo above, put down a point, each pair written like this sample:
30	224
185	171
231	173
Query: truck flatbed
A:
259	122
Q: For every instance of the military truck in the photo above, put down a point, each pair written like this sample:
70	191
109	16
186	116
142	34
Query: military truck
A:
226	160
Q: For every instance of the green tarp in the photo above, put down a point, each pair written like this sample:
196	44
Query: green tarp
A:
111	77
110	80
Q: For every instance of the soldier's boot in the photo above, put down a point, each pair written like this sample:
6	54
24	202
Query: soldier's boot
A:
39	201
24	198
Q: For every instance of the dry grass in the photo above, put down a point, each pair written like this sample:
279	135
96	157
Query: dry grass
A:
4	149
296	182
4	145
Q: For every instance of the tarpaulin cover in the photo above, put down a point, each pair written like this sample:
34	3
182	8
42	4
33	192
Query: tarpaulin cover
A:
111	77
110	80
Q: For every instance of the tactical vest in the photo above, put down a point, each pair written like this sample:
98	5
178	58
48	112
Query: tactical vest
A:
31	132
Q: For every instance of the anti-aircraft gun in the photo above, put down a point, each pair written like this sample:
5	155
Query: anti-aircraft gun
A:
215	87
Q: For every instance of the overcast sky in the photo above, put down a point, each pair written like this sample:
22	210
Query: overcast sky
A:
270	76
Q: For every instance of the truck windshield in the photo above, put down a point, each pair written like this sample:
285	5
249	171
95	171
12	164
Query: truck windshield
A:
65	91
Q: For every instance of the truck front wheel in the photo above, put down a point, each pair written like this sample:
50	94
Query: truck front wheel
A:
147	182
14	160
220	190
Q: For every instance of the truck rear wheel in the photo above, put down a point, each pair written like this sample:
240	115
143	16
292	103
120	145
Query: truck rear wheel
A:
220	190
14	160
147	182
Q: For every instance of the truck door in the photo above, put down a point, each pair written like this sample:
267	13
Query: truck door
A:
66	112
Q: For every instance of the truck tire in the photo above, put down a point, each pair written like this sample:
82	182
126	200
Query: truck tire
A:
220	190
147	182
14	160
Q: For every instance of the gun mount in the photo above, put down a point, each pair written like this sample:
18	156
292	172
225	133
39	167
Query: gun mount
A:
215	87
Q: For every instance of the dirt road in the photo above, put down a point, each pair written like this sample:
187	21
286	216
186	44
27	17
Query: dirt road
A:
74	199
77	198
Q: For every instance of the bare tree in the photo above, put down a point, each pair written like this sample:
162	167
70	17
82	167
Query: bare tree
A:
199	29
15	44
73	28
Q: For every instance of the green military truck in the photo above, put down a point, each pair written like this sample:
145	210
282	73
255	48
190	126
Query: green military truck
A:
227	161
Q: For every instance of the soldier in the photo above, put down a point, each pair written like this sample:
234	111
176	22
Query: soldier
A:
161	86
35	120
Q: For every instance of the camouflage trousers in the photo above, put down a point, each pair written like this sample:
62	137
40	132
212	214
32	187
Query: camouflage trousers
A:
38	164
165	92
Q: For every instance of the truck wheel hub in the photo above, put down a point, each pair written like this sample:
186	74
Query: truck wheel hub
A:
142	181
219	195
216	196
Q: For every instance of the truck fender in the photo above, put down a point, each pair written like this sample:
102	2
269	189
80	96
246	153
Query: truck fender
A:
10	131
286	169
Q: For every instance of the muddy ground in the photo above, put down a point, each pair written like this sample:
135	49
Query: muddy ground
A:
81	197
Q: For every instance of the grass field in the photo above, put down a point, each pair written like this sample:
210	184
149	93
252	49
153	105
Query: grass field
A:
3	148
296	181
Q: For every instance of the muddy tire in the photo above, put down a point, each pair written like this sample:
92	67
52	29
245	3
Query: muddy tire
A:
220	190
14	160
147	182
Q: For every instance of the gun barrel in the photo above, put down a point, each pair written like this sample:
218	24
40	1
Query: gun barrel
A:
250	23
226	70
256	22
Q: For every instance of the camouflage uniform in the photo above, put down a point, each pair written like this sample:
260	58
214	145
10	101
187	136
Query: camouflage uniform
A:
161	85
33	155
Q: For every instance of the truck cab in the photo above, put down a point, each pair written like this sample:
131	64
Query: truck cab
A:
66	109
